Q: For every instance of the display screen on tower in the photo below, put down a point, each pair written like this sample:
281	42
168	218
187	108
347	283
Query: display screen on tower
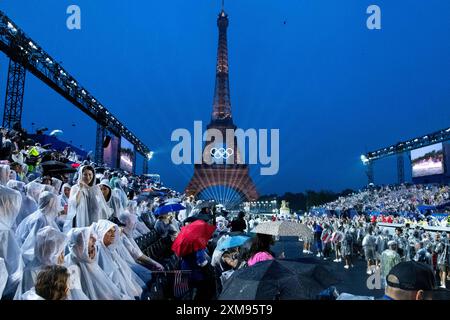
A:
427	161
126	155
111	152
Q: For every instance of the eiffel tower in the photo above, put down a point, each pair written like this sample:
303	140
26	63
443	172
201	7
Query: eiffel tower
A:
229	170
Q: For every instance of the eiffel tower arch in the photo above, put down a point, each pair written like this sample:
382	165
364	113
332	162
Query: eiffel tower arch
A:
222	164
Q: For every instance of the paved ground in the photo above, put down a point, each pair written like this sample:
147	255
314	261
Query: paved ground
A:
353	280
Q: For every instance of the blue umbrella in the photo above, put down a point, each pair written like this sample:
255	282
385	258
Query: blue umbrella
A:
168	208
232	242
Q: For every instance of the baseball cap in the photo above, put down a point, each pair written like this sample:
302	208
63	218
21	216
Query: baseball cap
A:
411	276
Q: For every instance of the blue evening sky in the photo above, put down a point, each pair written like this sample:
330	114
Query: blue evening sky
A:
310	68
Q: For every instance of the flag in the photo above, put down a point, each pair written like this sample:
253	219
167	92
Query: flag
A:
181	283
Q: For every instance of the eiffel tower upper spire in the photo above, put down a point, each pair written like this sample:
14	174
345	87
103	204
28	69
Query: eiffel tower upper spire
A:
222	102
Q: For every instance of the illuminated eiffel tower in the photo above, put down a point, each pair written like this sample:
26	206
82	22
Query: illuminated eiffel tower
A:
232	173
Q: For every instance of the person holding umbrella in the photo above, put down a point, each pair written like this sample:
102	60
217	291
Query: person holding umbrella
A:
191	246
228	260
260	249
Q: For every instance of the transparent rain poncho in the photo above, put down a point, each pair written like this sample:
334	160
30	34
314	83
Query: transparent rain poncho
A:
116	205
116	186
4	174
93	280
25	208
130	221
129	249
16	185
48	209
113	264
50	188
31	295
112	201
86	204
29	207
57	184
34	189
64	199
3	276
10	201
50	244
140	228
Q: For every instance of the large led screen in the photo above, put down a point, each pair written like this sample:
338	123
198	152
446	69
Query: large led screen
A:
111	152
427	161
126	155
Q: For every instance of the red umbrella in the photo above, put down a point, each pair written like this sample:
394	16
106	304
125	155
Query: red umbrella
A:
193	237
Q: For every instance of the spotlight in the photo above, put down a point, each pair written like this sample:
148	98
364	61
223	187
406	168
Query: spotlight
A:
364	160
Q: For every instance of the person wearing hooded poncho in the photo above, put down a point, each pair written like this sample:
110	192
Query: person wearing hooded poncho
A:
3	276
130	251
52	283
24	210
140	228
48	209
112	263
5	172
29	202
65	194
112	200
33	190
82	260
116	185
86	202
10	201
57	184
49	250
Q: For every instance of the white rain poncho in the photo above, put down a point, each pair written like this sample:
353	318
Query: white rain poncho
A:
130	221
48	209
50	188
140	228
86	204
93	280
64	198
30	202
57	184
3	276
117	189
113	264
10	201
129	249
16	185
5	171
25	208
50	244
31	295
113	201
34	189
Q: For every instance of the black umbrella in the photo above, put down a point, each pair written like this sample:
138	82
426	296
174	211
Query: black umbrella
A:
67	170
278	279
53	165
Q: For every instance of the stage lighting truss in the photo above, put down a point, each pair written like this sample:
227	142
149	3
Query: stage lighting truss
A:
22	49
412	144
